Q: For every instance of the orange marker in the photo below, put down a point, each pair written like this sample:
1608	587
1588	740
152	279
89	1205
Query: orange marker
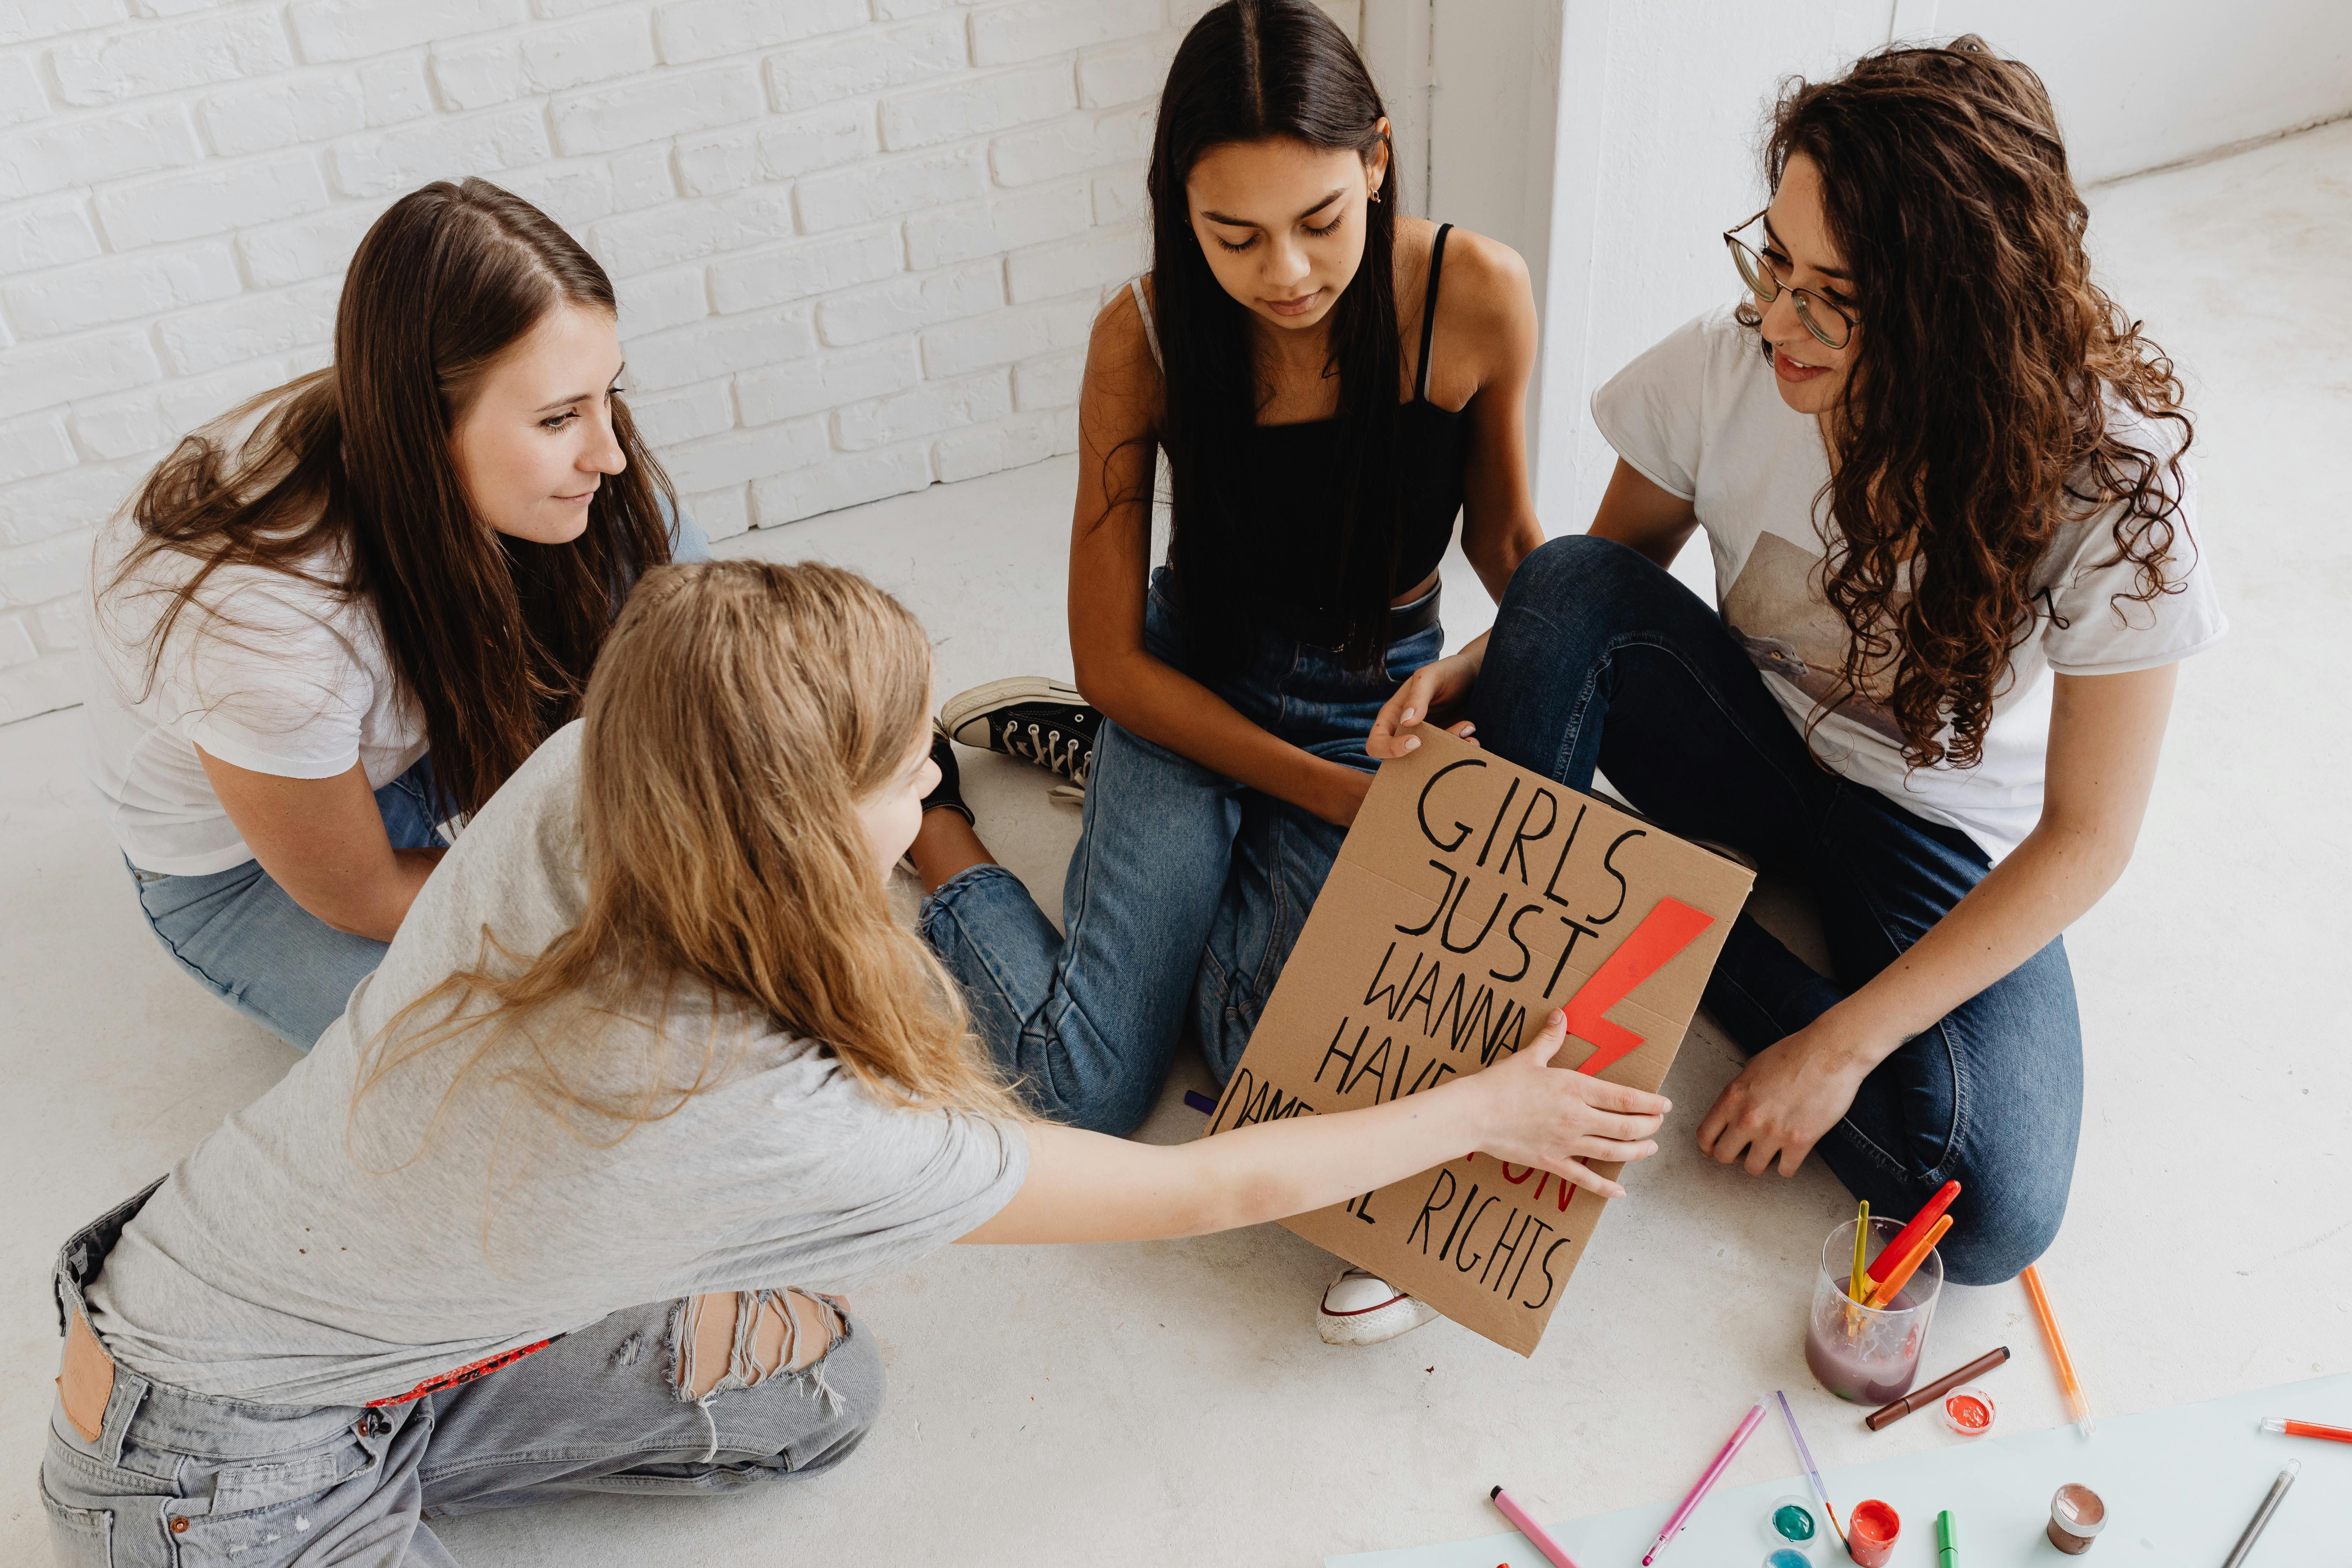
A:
1900	1275
2075	1400
1920	1222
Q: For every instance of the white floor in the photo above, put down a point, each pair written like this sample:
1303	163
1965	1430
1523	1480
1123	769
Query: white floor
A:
1170	1404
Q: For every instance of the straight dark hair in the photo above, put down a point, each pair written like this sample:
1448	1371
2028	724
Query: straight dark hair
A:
493	636
1254	71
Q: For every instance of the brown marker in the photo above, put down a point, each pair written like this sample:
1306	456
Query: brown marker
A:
1919	1399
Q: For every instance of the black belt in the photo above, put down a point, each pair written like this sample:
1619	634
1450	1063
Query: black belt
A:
1323	631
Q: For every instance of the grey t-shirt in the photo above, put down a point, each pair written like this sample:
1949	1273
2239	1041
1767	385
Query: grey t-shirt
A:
308	1255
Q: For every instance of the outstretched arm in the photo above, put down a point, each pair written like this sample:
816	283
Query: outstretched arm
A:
1085	1186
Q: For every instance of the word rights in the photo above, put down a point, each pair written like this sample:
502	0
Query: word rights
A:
1470	897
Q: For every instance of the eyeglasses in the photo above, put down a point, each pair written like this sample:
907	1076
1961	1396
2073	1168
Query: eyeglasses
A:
1823	320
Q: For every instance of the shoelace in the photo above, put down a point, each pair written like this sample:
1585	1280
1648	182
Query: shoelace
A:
1047	748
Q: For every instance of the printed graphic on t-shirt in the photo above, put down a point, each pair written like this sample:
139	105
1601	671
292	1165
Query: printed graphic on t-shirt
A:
1777	611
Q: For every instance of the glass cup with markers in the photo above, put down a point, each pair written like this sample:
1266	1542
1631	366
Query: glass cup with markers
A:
1868	1354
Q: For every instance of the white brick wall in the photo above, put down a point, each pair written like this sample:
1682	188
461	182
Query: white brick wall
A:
857	242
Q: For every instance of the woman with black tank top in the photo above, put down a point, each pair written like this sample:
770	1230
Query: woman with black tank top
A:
1321	440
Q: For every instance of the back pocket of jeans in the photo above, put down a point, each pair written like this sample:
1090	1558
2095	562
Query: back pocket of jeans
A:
79	1537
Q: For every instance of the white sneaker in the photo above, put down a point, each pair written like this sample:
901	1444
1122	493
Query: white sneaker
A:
1361	1308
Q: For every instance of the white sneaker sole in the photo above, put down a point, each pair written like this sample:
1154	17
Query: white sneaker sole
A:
965	706
1397	1316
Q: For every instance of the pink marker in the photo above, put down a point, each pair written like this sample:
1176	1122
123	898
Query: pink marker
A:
1526	1526
1698	1493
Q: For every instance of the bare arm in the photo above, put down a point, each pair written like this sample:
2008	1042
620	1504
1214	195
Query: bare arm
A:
1085	1186
1633	512
1643	517
322	840
1487	298
2105	731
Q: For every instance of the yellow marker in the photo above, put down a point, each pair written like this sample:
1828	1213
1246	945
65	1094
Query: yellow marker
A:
1883	1294
1860	1236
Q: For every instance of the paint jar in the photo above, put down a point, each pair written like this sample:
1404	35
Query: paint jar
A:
1786	1557
1794	1524
2076	1517
1968	1411
1872	1528
1868	1354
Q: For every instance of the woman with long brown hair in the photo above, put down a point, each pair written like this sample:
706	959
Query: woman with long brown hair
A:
1940	473
345	611
650	1065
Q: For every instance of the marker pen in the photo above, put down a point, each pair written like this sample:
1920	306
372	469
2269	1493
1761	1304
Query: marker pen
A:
2279	1425
1524	1522
1948	1547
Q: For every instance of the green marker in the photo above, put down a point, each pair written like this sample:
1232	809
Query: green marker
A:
1947	1546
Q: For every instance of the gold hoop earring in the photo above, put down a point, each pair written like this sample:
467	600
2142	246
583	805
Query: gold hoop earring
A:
1376	196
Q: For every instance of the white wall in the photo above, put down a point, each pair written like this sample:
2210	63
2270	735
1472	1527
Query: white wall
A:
858	243
2154	81
1658	112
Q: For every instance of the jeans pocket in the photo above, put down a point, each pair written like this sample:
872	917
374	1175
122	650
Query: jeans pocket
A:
238	1488
78	1537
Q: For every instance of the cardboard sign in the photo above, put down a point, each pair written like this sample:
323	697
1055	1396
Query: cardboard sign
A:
1470	897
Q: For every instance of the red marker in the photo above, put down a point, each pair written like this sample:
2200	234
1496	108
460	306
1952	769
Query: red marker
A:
1893	1253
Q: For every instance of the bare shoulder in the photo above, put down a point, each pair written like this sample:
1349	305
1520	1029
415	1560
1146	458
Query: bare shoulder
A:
1486	327
1122	381
1120	345
1485	281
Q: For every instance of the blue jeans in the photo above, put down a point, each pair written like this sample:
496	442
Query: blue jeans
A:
178	1477
1599	658
247	942
1184	898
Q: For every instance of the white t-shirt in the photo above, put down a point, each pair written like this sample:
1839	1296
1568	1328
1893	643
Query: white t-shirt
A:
1700	416
289	678
312	1252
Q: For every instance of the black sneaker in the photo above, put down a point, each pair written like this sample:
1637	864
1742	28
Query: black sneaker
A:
1029	716
949	791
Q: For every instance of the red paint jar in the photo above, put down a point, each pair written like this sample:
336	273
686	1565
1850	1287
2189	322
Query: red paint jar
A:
1968	1411
1870	1533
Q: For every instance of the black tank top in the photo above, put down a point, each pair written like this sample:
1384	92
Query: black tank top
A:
1298	573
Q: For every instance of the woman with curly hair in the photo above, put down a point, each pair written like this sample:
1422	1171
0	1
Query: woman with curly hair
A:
1940	473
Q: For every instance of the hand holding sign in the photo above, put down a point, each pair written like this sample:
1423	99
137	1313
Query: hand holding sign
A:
1436	693
1557	1120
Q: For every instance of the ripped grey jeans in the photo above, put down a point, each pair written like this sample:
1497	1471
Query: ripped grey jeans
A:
174	1477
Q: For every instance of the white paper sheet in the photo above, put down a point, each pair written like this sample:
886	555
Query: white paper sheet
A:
2179	1486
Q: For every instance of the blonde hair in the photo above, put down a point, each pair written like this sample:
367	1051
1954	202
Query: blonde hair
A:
739	713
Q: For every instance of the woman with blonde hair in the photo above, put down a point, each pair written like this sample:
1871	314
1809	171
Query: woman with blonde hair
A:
342	614
648	1064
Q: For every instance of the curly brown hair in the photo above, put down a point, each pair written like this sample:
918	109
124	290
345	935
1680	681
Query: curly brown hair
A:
1989	377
